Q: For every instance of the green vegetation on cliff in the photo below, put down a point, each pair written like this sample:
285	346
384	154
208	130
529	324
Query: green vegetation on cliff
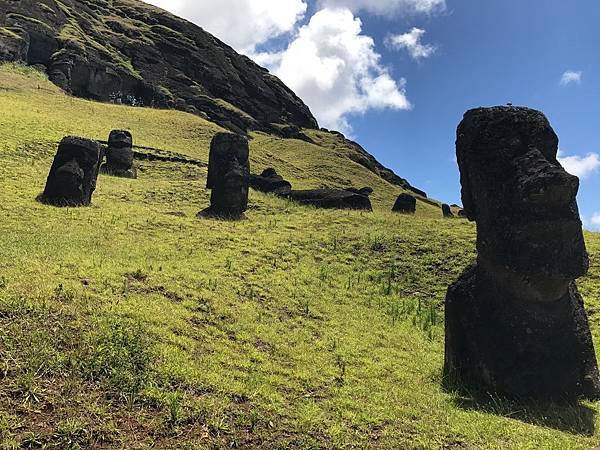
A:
132	324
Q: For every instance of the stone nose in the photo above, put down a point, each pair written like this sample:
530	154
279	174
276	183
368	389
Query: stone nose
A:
551	186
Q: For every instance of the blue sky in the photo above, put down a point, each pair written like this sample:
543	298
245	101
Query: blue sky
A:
403	101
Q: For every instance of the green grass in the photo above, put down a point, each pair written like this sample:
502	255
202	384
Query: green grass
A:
132	324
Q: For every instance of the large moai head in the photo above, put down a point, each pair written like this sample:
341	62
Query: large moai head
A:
119	155
228	174
74	172
405	204
529	233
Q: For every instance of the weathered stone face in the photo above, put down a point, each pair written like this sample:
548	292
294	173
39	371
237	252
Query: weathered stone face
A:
522	199
228	175
515	322
73	175
119	155
405	204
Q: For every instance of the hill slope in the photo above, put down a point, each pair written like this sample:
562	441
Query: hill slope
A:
132	324
127	51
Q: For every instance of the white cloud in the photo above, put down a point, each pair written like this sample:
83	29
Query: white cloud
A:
386	7
243	24
571	77
411	41
581	166
335	69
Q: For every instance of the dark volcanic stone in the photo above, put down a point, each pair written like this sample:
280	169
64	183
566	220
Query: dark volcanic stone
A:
515	322
271	183
228	176
73	175
14	44
366	191
446	211
119	155
332	199
406	204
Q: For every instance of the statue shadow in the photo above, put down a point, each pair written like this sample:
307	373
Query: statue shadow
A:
574	418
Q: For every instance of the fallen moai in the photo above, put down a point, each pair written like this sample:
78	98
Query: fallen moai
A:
332	199
271	183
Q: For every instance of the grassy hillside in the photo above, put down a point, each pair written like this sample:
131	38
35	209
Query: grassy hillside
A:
132	324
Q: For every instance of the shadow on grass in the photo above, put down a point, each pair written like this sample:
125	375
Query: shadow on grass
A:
574	418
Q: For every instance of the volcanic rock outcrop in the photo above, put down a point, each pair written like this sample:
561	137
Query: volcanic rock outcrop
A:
119	155
74	172
270	182
135	53
515	322
332	199
228	176
405	204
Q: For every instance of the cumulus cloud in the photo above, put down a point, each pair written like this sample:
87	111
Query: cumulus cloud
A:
595	221
581	166
386	7
243	24
411	41
335	69
570	76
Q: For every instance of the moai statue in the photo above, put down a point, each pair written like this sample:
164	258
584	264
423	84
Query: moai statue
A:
73	175
405	204
228	176
515	322
270	182
119	155
447	211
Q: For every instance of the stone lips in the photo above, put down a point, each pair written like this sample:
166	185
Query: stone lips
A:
515	322
74	173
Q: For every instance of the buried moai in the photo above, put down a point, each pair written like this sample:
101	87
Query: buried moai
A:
228	176
119	155
405	204
447	211
515	322
74	172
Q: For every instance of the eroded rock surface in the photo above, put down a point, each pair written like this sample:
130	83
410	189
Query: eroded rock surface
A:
447	211
515	322
74	172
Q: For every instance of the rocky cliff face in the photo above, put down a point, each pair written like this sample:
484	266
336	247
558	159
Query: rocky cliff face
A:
128	51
